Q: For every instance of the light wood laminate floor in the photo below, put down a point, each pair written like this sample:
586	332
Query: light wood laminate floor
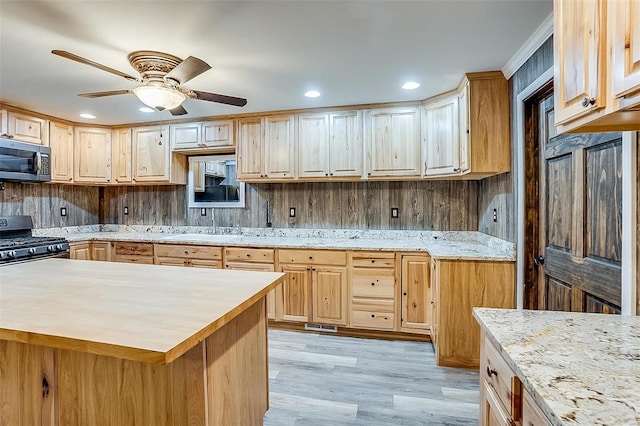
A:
323	379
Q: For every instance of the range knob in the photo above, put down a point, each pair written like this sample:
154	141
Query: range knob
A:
11	253
51	248
4	254
58	246
32	250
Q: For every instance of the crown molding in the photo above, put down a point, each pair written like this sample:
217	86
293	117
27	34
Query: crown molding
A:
537	39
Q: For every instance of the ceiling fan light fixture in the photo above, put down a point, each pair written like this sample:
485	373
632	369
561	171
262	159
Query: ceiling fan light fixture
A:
159	97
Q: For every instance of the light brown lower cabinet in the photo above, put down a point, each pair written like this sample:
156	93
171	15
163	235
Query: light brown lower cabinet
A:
315	287
80	250
252	259
416	294
132	252
90	250
188	255
101	250
457	287
503	399
373	290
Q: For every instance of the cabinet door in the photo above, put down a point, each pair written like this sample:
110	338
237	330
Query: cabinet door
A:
295	292
313	145
217	134
250	149
121	155
80	251
416	287
624	33
491	411
61	143
186	136
26	128
329	290
151	154
464	126
3	123
101	251
579	58
532	415
393	137
279	147
442	154
92	155
171	261
345	138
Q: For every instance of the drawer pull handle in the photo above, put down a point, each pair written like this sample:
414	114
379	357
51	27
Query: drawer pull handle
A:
491	372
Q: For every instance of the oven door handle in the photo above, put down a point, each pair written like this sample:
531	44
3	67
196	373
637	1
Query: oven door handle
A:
37	162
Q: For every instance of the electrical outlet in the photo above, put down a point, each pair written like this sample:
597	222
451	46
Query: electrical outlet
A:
495	215
63	211
126	210
394	213
292	212
203	211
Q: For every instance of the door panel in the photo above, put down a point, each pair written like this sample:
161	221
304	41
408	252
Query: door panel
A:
295	304
580	224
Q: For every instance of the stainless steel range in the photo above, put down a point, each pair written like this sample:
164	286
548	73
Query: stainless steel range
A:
17	244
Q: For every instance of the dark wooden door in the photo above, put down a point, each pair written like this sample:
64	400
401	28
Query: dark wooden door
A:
580	209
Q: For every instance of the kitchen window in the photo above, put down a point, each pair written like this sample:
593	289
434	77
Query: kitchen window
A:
212	182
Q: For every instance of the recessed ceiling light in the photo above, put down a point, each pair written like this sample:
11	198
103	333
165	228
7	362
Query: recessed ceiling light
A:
85	115
146	109
410	85
312	94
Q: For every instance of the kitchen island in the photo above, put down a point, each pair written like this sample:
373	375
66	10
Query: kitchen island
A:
559	368
114	344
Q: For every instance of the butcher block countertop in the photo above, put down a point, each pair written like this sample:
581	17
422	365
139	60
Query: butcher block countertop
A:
579	368
146	313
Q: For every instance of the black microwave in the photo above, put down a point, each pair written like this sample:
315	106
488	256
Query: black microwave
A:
24	162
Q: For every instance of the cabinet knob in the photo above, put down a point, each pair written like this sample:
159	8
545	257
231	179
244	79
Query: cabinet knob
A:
404	294
588	101
326	174
369	174
330	174
373	261
313	269
457	169
373	316
373	283
491	372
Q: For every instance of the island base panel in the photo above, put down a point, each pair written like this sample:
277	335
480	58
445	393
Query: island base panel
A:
220	381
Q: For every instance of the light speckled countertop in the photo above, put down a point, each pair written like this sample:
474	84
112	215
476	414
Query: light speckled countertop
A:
459	245
579	368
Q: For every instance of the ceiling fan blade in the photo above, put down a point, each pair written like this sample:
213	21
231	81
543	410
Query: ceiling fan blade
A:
188	69
221	99
82	60
179	110
101	94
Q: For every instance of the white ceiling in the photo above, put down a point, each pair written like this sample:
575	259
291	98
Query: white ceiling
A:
270	52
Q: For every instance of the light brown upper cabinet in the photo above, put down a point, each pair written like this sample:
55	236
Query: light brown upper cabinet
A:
24	128
329	145
203	137
153	161
92	155
266	148
597	65
121	155
61	143
392	140
442	142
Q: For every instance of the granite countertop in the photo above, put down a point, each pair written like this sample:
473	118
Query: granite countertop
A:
580	368
457	245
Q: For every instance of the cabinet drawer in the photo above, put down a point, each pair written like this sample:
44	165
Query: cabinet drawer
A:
189	251
134	249
377	305
202	263
249	255
249	266
374	283
374	260
313	257
134	259
531	413
499	376
372	319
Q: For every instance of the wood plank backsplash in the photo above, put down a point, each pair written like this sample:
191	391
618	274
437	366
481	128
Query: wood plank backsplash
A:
500	192
43	202
428	205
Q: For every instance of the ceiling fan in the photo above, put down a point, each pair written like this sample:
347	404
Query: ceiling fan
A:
161	76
